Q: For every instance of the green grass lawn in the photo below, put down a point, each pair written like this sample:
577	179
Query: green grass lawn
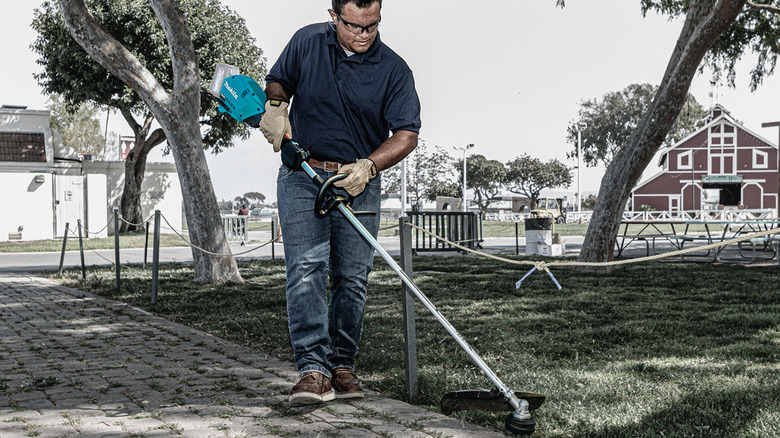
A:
126	240
652	350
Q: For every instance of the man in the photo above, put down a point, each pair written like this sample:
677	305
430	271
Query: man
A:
350	92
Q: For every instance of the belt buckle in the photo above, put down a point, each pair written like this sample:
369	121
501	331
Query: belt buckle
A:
330	166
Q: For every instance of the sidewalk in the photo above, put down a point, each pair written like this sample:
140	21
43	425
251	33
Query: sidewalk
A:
74	364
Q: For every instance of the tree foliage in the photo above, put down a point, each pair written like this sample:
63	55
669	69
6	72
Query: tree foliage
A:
529	176
79	127
429	173
612	119
485	177
589	203
251	200
756	30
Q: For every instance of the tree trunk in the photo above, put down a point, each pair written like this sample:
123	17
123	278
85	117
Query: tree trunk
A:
135	168
177	113
130	205
705	22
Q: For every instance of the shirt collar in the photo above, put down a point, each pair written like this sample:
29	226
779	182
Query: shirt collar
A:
373	55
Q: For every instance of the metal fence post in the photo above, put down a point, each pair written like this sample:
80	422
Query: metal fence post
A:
155	255
81	250
146	242
410	333
273	238
517	238
116	249
64	242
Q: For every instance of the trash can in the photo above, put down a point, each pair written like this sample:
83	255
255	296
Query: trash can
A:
537	229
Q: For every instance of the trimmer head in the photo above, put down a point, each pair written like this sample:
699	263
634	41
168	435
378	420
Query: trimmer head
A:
518	422
485	400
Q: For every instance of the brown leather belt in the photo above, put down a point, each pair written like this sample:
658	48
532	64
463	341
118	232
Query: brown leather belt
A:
327	166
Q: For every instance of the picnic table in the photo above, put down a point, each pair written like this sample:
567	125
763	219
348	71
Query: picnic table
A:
680	232
724	231
648	232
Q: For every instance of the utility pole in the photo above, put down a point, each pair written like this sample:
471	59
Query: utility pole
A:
581	126
464	149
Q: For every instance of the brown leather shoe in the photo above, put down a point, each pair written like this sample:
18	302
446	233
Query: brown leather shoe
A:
312	388
346	384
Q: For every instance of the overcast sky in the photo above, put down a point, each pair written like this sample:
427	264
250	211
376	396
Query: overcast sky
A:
506	76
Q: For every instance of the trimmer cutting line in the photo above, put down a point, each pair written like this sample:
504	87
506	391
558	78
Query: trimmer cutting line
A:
234	94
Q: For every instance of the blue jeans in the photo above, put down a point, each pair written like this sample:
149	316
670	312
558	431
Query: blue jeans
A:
325	325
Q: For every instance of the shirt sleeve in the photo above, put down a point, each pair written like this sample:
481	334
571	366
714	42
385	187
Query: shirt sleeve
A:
403	106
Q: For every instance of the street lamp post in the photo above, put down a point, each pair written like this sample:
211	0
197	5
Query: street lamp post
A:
581	126
464	149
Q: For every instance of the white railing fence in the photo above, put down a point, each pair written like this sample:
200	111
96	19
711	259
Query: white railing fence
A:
573	217
235	227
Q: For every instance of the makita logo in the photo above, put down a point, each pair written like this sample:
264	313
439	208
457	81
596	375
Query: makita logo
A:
235	95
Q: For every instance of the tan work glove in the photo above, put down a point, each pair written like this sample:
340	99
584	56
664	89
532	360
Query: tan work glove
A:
275	123
360	173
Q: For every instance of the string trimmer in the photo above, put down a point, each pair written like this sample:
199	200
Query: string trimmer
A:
233	94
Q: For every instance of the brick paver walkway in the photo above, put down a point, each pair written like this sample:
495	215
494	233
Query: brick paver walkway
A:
74	364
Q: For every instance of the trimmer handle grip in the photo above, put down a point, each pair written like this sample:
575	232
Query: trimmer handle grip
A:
327	200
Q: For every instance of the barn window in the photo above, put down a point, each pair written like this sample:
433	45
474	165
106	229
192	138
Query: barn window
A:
760	159
19	147
684	161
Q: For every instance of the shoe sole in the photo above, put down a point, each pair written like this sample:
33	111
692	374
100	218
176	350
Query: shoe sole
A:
349	395
310	398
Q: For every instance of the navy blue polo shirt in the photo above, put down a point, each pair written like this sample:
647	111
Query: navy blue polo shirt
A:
343	108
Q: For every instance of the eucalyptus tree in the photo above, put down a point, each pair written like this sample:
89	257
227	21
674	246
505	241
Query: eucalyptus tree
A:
715	33
217	35
170	91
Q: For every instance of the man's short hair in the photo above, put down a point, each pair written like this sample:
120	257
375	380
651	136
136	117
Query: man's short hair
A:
338	5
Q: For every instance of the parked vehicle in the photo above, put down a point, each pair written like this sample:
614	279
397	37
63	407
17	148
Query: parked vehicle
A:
551	207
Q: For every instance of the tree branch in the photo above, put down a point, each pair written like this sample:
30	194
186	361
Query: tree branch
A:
770	8
183	56
130	119
109	52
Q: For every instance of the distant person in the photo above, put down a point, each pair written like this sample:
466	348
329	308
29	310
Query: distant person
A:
349	92
242	223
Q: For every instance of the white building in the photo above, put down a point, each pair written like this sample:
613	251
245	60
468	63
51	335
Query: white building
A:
46	185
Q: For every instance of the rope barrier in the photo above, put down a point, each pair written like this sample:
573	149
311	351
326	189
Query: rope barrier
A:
86	230
544	266
170	227
389	227
84	242
133	224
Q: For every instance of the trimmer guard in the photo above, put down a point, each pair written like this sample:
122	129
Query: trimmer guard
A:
485	400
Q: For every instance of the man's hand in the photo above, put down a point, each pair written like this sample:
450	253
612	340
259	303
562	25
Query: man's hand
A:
360	173
275	123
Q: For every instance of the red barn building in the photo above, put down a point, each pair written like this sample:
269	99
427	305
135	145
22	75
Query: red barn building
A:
722	165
